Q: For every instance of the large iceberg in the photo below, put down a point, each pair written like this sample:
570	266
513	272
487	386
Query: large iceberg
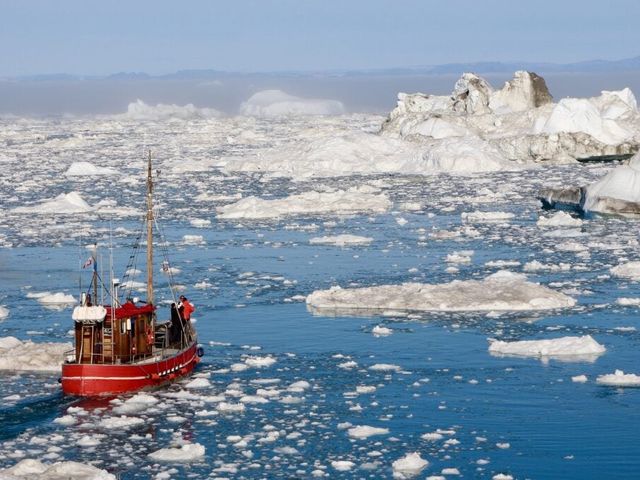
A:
274	103
503	290
140	111
520	120
618	192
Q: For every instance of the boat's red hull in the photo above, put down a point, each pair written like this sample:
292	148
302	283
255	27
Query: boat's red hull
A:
100	379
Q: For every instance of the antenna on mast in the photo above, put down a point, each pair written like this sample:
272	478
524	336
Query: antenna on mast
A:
150	219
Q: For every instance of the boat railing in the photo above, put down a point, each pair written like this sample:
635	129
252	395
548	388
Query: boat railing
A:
99	358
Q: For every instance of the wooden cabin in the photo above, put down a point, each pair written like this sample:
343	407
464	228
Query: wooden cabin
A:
113	335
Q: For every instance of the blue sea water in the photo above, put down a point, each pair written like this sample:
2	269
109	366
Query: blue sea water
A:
524	417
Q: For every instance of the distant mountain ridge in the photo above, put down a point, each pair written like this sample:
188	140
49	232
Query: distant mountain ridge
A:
588	66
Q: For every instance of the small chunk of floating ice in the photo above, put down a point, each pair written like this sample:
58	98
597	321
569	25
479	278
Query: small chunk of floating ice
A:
185	453
199	222
432	436
559	219
224	407
260	362
341	240
409	466
630	270
385	367
502	476
365	431
342	465
579	379
198	383
4	312
348	365
65	420
627	302
619	379
30	469
48	298
450	471
86	169
481	217
503	445
120	423
380	331
584	346
193	240
501	291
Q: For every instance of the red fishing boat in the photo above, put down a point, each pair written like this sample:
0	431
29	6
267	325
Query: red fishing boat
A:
121	347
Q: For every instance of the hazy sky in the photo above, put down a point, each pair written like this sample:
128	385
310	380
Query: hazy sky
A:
159	36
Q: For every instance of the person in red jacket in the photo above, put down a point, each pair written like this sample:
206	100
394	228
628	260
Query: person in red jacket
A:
185	308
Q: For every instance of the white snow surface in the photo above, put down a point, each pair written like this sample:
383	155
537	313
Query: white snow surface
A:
619	379
340	202
275	103
17	355
500	291
555	347
37	470
185	453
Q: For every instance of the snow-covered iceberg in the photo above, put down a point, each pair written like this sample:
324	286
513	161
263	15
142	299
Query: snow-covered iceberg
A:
567	348
274	103
503	290
520	121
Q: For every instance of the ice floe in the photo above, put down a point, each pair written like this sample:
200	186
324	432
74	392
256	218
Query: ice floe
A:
17	355
188	452
275	103
500	291
341	202
63	204
341	240
87	169
409	466
559	219
37	470
584	347
630	270
619	379
365	431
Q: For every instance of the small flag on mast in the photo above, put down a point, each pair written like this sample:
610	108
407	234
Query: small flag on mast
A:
88	263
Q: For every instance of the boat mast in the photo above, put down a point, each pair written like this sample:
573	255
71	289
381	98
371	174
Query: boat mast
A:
149	233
